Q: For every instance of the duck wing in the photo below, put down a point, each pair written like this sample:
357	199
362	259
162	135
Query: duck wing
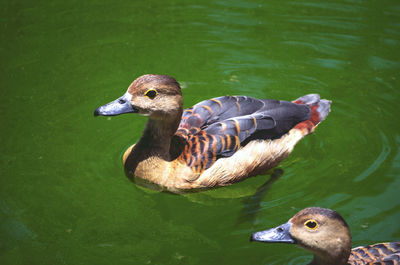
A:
218	127
381	253
218	109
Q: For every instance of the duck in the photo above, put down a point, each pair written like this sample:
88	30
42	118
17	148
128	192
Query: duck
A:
216	142
326	234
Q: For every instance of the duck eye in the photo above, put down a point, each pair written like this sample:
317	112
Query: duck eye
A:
151	93
311	224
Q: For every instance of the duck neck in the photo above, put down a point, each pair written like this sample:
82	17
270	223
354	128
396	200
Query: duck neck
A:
341	259
156	138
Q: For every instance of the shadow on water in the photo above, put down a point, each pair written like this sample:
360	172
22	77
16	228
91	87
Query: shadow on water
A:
252	204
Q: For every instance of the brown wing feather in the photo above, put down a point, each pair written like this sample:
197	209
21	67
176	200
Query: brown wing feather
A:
382	253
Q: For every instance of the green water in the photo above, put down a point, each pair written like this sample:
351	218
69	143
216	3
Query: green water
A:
64	198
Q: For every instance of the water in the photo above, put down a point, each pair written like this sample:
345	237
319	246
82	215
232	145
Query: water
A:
64	198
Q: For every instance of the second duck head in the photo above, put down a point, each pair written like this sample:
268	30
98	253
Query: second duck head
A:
322	231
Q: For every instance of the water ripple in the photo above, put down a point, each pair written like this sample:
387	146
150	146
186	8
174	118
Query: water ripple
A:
330	63
330	22
331	6
331	44
310	81
379	63
378	161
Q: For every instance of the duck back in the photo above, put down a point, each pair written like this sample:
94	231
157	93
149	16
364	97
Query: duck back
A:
268	112
218	127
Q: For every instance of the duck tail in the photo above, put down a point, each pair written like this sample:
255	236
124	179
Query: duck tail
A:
320	109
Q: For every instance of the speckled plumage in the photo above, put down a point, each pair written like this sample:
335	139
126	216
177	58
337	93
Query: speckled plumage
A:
382	253
216	142
329	239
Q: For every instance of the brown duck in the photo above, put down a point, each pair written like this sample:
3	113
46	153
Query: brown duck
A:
326	234
216	142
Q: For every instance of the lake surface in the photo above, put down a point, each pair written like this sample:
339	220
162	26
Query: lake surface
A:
64	198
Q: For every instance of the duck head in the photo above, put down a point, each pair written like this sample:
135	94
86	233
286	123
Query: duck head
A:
156	96
321	231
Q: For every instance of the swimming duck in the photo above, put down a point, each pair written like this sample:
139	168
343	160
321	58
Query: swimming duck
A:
214	143
326	234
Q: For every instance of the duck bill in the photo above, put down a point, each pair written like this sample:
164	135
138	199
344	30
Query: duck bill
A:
119	106
280	234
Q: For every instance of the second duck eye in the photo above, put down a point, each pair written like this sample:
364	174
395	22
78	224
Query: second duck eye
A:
151	93
311	224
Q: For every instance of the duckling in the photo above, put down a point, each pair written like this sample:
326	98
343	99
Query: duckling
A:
326	234
214	143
